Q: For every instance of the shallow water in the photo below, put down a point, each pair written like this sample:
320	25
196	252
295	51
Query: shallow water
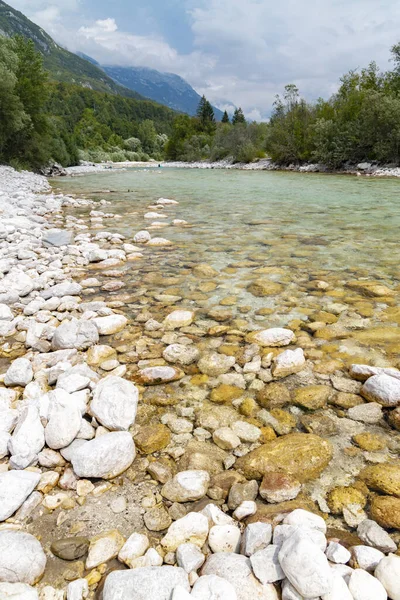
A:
296	228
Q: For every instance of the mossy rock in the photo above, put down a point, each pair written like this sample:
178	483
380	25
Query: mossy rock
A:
273	395
224	394
303	455
371	442
152	438
312	397
385	510
342	496
383	477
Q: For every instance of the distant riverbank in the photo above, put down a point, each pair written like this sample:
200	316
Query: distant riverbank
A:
366	169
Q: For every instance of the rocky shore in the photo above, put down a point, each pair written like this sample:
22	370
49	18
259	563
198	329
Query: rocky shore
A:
150	452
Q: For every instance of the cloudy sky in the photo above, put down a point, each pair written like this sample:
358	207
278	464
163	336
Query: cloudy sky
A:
237	52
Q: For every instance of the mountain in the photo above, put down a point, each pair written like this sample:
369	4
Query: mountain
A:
62	65
165	88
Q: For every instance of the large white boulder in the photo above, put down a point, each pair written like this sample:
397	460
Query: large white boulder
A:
22	559
146	583
266	565
104	457
213	587
27	439
383	389
15	487
65	420
19	373
364	586
75	334
388	573
17	591
110	324
115	403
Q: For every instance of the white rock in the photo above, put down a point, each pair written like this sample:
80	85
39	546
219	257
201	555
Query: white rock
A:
5	313
339	590
104	547
388	573
370	413
212	587
66	288
288	362
27	439
337	553
224	538
274	337
180	593
246	431
374	535
256	536
192	528
110	324
78	589
236	569
178	318
147	583
225	438
64	422
266	565
216	516
284	532
189	557
305	565
382	389
303	518
15	487
245	509
142	237
215	364
104	457
22	559
17	591
366	558
79	335
115	402
187	486
135	546
181	354
364	586
165	201
4	441
153	558
19	373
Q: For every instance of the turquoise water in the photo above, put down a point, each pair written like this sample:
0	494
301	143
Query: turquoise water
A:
297	228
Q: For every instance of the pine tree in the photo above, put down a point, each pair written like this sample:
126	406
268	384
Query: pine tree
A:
205	114
225	118
238	116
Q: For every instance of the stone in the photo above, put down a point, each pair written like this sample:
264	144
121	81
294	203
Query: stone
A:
279	487
312	397
66	288
274	337
372	534
341	497
225	438
189	557
142	237
104	547
216	516
181	354
305	565
266	565
241	492
224	538
186	486
337	553
246	431
364	586
65	420
79	335
370	413
304	518
212	587
17	591
288	363
70	548
134	547
236	569
157	518
245	509
274	395
178	318
19	373
339	589
114	403
104	457
372	289
370	442
382	389
256	536
15	487
214	364
384	478
192	528
146	583
78	589
22	559
27	439
388	573
225	394
110	324
152	438
264	287
385	510
366	558
158	375
302	455
284	531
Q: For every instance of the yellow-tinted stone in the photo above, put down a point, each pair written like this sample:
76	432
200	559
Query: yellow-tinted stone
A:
312	397
228	301
341	496
385	510
267	434
302	455
325	317
224	394
273	395
228	350
265	287
152	438
383	477
346	400
372	289
248	407
207	286
285	422
204	271
379	336
370	441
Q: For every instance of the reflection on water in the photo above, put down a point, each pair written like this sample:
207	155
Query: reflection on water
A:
313	234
